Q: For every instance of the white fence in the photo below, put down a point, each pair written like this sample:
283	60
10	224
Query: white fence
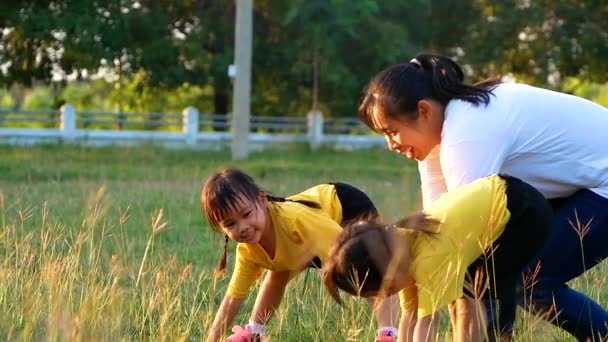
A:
189	128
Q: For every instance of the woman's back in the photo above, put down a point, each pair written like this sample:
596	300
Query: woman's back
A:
554	141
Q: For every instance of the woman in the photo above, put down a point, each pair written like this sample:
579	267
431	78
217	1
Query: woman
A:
553	141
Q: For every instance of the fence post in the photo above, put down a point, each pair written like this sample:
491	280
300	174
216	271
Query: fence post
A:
67	123
315	128
190	125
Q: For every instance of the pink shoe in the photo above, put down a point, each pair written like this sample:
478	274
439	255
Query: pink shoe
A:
241	334
385	335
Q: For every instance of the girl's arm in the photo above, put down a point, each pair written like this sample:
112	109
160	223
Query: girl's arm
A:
426	328
386	310
270	295
224	316
409	312
407	326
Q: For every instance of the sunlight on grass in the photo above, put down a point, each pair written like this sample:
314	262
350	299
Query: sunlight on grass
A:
109	244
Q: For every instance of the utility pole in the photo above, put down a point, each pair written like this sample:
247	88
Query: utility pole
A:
241	103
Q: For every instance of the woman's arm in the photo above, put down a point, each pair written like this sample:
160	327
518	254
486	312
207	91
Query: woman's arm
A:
224	316
432	182
270	295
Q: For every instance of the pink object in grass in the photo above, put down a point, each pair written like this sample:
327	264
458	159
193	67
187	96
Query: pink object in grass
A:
241	334
385	335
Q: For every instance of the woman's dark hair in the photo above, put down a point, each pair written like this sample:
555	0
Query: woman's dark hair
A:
221	195
359	257
396	90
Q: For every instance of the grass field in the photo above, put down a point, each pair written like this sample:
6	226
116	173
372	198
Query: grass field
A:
109	243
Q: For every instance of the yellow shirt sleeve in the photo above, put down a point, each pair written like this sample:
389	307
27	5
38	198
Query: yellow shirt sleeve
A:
408	299
245	274
317	232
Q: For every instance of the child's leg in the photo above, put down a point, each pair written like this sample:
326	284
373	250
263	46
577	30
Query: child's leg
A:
523	237
468	320
453	313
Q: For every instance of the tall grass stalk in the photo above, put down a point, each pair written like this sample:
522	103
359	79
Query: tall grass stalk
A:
76	265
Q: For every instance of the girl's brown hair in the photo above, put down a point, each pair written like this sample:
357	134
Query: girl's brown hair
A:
221	195
361	254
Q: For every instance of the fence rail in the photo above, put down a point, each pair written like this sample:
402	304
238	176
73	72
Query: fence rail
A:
189	128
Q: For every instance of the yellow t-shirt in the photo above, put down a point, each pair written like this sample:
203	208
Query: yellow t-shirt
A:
471	219
302	233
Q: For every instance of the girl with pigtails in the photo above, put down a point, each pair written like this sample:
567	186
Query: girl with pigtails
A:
283	236
485	232
556	142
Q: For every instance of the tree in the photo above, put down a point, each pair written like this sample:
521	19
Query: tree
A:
540	41
307	53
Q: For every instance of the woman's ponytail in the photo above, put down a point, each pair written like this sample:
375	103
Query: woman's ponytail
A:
447	80
395	91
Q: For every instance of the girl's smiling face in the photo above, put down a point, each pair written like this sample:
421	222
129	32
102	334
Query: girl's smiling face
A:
416	138
248	221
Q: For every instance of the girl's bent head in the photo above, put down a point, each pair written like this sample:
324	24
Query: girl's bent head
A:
371	259
359	260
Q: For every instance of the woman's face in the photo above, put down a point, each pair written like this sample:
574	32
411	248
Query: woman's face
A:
248	221
414	139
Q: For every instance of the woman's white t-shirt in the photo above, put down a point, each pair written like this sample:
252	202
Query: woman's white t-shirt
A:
556	142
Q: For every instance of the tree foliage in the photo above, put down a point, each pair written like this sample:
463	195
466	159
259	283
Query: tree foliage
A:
307	53
541	42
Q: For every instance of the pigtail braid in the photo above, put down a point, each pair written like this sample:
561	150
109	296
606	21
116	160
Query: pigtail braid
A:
221	266
311	204
419	222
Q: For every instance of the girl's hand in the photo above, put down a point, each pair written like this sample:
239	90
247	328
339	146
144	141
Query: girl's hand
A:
241	334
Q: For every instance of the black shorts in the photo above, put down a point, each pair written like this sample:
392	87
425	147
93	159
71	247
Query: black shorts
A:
356	205
522	239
